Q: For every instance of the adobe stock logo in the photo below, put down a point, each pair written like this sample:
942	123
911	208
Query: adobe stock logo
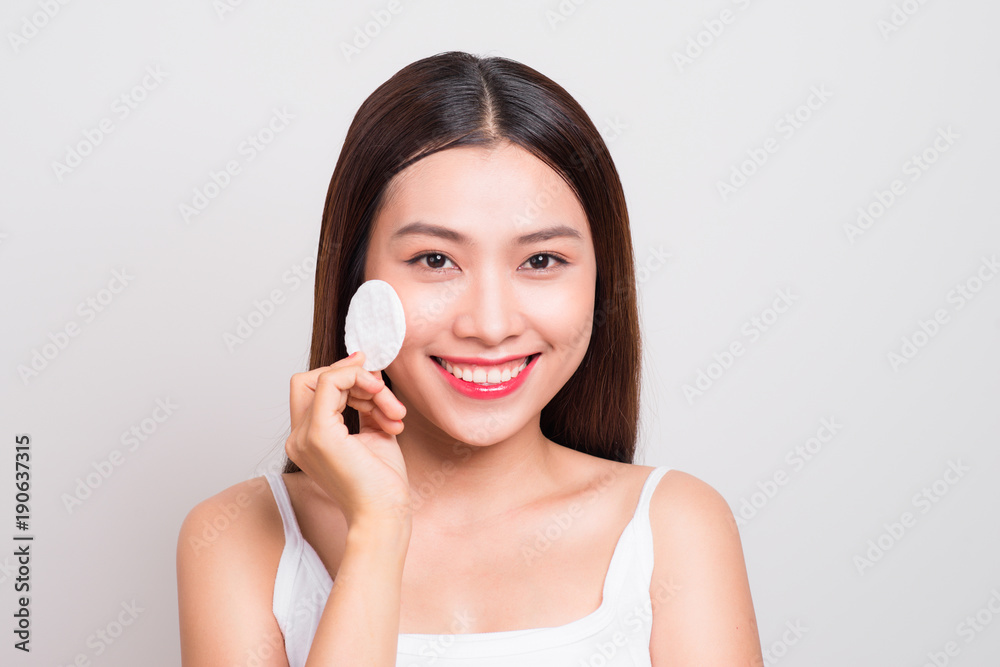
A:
41	357
713	28
899	17
796	458
248	149
924	500
562	13
135	437
786	126
928	329
774	652
300	273
752	329
223	7
914	167
968	629
31	25
121	107
381	18
104	637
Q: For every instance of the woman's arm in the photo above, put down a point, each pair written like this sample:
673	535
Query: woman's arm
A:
366	476
703	614
360	623
227	559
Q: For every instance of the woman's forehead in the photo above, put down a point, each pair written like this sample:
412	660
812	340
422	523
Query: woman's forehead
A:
500	190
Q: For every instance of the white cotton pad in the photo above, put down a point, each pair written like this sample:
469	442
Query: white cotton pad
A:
375	324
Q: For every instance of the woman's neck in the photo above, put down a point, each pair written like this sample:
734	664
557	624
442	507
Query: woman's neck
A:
457	483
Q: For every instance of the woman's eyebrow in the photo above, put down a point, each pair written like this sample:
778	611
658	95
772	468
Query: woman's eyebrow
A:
427	229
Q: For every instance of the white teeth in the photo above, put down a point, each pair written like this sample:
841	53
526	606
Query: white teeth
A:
481	375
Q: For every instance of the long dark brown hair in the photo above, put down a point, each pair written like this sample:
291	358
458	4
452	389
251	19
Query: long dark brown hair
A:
459	99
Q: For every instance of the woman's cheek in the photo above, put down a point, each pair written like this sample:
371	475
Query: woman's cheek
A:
429	309
568	317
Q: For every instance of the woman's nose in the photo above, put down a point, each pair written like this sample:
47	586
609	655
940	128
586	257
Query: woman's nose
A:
490	310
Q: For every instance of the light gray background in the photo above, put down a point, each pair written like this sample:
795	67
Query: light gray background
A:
675	132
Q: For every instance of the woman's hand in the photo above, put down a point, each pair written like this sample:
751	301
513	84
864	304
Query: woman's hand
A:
363	473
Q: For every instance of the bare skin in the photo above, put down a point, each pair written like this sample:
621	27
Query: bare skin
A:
459	539
448	586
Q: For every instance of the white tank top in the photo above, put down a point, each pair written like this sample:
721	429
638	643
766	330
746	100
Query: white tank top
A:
616	634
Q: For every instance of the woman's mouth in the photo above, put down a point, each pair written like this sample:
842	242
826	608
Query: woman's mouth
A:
486	381
493	374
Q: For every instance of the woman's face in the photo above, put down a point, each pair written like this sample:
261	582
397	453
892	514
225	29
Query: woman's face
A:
491	255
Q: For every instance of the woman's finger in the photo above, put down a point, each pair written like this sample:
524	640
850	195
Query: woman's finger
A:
376	419
391	406
389	422
303	386
333	387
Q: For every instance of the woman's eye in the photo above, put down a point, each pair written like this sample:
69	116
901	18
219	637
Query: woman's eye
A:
540	262
436	261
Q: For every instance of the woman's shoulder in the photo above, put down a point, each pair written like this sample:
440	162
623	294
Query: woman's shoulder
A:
695	535
228	550
699	579
226	522
682	503
677	497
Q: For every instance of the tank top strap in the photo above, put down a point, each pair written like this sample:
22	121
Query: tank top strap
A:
293	534
293	586
644	529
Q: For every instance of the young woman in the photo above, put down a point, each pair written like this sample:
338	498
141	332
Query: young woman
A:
506	523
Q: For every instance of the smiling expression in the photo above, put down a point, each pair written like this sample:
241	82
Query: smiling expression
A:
491	255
